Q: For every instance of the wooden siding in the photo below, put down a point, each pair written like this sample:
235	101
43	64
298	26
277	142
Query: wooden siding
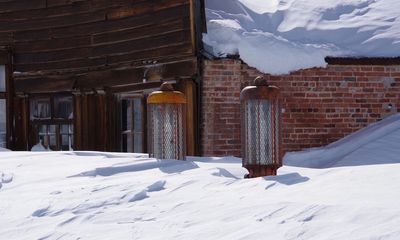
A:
84	35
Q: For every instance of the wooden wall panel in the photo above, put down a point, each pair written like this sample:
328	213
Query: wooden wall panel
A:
92	122
84	35
21	127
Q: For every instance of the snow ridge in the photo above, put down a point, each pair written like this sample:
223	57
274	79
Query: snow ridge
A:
381	136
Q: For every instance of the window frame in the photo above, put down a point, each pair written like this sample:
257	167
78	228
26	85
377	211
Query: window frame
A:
35	123
5	60
122	132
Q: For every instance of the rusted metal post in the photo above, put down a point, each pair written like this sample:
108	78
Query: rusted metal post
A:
261	128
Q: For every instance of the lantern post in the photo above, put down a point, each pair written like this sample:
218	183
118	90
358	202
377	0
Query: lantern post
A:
261	128
167	123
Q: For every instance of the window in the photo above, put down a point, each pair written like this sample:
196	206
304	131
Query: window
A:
3	124
2	78
132	136
3	108
52	121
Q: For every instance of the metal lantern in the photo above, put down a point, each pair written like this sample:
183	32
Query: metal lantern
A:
167	123
261	133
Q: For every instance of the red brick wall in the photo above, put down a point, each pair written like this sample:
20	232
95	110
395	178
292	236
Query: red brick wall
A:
321	105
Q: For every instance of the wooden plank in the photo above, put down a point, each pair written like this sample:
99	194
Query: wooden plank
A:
107	12
4	55
52	22
85	123
162	54
124	23
47	84
113	123
141	44
135	87
105	78
86	52
53	44
49	11
193	23
71	65
10	6
188	88
149	30
77	122
101	126
21	124
145	7
112	78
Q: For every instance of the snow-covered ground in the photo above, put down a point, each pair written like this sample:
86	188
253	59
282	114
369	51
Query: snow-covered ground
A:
348	190
278	36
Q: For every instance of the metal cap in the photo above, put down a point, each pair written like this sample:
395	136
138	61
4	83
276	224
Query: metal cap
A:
260	81
166	95
259	90
165	87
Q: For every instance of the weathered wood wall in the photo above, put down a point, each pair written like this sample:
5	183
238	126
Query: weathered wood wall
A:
83	35
96	49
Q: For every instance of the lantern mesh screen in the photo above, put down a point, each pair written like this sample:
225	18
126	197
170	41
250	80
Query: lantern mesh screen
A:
261	133
166	133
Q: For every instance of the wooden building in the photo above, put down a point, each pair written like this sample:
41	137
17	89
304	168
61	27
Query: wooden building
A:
74	74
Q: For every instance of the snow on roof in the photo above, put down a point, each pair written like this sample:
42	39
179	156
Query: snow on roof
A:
279	36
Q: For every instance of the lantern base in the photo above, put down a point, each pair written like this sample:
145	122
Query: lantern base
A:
261	171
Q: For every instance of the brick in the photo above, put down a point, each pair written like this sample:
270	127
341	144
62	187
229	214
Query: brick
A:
319	108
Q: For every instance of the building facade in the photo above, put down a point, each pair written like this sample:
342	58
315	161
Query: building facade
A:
76	74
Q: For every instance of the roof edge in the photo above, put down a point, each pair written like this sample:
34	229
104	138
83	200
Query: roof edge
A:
362	60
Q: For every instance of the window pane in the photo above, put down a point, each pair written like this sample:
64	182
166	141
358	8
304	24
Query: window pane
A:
2	78
40	108
66	142
138	143
52	137
124	108
3	126
63	107
137	114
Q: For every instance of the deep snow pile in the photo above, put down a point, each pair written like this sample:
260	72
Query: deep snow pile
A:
92	195
278	36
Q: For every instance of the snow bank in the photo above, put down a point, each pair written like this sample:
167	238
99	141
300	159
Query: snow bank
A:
4	150
279	36
95	195
40	148
375	144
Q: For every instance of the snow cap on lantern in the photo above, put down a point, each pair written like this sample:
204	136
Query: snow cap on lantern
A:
167	123
261	128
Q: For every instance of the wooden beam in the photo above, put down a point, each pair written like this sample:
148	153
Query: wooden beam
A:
43	84
117	78
135	87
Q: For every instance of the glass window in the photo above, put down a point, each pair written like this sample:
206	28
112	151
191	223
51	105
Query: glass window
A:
132	125
67	137
52	118
2	78
63	107
3	126
40	108
138	125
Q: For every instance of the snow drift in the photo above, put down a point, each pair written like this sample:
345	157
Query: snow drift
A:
279	36
375	144
351	193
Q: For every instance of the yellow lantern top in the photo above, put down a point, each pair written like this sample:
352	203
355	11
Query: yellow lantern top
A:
166	95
